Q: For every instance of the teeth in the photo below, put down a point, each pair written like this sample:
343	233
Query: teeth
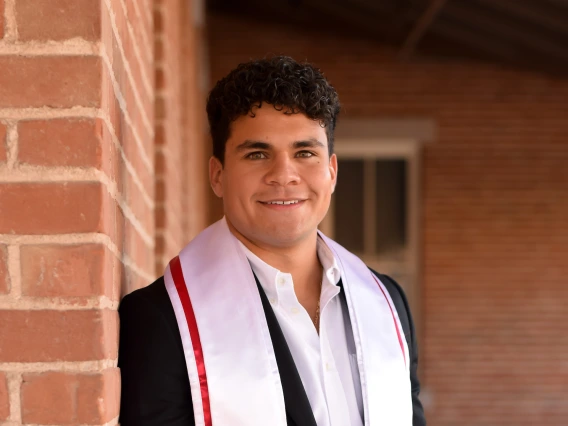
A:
284	202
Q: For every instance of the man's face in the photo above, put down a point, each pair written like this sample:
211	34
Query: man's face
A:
271	159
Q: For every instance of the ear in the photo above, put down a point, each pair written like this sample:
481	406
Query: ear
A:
215	176
333	171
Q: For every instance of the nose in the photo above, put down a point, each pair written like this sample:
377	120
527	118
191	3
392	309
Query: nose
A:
282	171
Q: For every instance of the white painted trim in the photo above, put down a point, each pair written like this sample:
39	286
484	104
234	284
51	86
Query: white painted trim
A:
389	148
376	148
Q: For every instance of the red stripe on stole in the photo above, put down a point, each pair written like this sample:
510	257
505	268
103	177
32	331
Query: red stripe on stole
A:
179	281
393	318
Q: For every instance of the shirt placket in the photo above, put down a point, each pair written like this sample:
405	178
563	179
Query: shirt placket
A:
294	311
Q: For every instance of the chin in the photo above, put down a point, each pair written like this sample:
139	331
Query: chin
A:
283	236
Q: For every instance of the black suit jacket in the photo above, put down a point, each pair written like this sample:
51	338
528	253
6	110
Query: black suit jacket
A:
155	385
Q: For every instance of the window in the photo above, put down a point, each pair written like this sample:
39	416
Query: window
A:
374	211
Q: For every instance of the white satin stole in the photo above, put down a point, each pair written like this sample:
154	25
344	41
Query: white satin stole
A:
231	363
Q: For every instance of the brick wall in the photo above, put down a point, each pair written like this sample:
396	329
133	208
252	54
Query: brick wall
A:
179	151
76	200
495	203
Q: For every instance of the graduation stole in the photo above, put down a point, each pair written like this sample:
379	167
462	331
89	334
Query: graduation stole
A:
230	360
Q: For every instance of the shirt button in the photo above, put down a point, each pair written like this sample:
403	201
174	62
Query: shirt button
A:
281	280
327	366
272	300
294	310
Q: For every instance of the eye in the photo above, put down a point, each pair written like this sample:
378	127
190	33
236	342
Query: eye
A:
305	154
257	155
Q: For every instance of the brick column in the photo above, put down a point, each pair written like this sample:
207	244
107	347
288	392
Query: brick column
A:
180	149
76	200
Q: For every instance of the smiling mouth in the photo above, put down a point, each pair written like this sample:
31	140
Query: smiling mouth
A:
282	203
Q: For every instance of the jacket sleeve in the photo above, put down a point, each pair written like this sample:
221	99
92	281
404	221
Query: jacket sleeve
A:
155	385
418	417
401	304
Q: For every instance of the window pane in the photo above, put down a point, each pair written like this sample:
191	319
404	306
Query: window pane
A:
348	204
391	205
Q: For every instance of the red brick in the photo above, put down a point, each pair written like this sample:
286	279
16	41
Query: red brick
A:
51	208
159	163
158	21
159	79
142	29
66	271
129	83
70	399
60	142
58	19
4	275
58	82
160	134
3	142
4	397
160	217
161	191
50	336
158	50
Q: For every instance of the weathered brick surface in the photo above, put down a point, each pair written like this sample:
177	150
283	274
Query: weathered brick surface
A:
70	399
75	335
58	19
63	207
494	197
60	142
60	82
77	270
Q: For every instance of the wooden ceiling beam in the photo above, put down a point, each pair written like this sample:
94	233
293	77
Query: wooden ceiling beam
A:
420	28
537	15
488	23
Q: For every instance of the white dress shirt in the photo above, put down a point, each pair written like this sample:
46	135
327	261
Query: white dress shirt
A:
327	362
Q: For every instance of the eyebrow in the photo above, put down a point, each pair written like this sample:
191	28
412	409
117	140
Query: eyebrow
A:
252	144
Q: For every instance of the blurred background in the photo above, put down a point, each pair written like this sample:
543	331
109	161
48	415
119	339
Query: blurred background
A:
453	159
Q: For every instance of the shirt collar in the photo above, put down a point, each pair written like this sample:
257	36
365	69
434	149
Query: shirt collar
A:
269	276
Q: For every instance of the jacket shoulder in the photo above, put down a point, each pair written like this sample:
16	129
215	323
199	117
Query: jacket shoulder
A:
150	305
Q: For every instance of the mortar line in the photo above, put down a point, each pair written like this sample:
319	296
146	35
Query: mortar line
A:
83	238
39	174
63	303
47	113
128	70
14	379
14	271
12	144
149	47
72	47
137	181
148	86
123	106
10	23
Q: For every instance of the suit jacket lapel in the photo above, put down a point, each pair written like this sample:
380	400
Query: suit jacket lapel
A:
298	407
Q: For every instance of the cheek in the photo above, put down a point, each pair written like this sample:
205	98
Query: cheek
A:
238	188
320	180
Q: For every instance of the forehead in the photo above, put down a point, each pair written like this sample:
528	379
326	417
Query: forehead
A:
276	127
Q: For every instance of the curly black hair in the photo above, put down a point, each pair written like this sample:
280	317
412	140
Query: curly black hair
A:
280	81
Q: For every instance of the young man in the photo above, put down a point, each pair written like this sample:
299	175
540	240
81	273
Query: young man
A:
261	320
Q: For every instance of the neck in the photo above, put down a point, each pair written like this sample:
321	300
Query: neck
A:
300	260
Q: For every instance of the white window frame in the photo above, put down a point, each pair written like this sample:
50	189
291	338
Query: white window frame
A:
369	150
